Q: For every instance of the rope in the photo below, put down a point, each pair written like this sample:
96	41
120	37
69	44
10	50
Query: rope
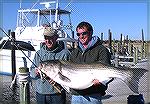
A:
13	82
24	90
24	77
4	44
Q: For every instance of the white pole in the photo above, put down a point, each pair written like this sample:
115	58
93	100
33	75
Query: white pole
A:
20	4
56	14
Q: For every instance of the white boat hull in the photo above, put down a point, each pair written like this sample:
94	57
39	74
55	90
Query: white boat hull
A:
21	61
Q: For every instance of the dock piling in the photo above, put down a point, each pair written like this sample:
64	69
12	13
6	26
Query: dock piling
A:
24	79
13	57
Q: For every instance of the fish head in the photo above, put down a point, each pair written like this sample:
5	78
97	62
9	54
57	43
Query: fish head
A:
50	68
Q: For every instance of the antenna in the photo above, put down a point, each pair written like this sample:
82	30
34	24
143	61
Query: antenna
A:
68	4
20	4
56	14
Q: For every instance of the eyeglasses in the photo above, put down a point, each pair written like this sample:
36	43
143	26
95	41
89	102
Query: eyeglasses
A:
47	37
83	33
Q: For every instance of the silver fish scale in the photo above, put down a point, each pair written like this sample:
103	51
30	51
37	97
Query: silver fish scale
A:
80	76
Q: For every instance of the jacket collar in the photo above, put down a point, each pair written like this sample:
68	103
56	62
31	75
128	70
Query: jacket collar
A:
93	43
58	48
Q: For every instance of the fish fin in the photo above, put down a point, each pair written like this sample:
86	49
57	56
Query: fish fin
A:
64	78
110	81
65	62
66	88
133	81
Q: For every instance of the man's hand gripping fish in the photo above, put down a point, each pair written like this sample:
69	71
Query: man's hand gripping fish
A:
80	76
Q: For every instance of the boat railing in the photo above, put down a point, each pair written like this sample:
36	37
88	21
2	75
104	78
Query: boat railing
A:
47	15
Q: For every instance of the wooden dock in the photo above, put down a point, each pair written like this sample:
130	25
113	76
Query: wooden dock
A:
118	91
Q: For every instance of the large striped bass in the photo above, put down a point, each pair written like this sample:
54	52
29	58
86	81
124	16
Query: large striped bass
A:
81	76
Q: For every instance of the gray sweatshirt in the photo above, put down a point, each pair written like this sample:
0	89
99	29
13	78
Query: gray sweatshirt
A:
44	87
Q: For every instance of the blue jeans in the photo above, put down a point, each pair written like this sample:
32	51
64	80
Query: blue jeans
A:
50	98
88	99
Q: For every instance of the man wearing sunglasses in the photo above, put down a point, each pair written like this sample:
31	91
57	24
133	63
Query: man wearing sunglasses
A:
89	50
46	93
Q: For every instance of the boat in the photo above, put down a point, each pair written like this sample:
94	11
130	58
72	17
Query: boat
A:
126	61
29	32
129	61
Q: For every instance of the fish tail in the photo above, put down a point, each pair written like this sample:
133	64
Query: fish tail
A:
133	81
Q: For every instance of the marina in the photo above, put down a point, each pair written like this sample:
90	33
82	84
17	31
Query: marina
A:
30	27
28	36
114	95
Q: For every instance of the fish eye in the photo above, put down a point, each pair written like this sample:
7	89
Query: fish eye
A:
51	65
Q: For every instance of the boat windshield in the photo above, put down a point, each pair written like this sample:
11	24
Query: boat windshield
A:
37	17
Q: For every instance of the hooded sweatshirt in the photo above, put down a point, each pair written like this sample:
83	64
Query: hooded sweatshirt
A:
94	52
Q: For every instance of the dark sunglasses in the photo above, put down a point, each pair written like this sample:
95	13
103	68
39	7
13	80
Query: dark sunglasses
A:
47	37
83	33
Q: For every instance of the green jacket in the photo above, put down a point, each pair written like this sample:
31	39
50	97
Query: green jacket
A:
94	53
43	86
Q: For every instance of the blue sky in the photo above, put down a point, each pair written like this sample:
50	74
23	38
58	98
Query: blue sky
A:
128	18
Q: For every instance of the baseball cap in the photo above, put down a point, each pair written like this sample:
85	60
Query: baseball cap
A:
49	31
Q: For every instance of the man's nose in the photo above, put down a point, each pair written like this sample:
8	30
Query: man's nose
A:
81	36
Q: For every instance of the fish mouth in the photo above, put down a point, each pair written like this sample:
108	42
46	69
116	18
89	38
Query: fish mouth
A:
64	78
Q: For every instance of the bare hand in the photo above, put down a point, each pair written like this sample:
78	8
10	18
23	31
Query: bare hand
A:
37	72
96	82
